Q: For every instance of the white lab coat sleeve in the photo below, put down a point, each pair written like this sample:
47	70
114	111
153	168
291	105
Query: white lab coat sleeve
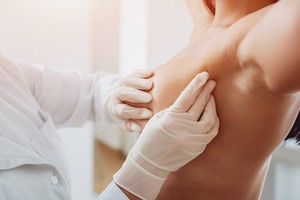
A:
112	192
71	97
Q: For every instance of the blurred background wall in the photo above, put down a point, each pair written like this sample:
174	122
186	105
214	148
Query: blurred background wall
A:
114	36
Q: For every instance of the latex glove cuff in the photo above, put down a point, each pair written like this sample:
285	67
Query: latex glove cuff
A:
138	180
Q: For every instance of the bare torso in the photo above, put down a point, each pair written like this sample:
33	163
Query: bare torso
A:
254	118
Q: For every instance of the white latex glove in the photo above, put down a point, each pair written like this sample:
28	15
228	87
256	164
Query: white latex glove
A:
131	89
171	139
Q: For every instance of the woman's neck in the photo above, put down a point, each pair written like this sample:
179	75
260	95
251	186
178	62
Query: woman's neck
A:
229	11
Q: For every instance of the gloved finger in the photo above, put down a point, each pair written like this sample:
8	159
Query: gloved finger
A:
127	125
112	103
209	116
137	83
124	111
190	93
215	129
197	108
142	73
210	135
133	127
133	95
204	137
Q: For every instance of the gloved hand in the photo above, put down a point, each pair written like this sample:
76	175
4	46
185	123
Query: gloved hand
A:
171	139
131	89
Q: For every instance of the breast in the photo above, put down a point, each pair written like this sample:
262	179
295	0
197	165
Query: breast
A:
170	79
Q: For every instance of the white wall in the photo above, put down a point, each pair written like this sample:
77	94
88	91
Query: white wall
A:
105	34
169	28
53	32
56	33
133	35
283	178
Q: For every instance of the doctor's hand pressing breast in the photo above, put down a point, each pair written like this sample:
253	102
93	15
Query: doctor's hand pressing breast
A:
171	139
131	88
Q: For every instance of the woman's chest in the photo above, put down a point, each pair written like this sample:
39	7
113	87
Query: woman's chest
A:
210	52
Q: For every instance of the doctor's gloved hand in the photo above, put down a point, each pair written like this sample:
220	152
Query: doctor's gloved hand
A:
171	139
131	88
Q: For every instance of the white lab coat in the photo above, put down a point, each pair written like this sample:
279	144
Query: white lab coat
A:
33	102
112	192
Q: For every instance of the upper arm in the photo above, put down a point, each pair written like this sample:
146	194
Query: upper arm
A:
274	45
201	12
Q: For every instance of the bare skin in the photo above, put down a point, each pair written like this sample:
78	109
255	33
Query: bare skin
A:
251	48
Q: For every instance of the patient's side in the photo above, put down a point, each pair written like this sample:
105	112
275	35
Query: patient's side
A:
254	118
